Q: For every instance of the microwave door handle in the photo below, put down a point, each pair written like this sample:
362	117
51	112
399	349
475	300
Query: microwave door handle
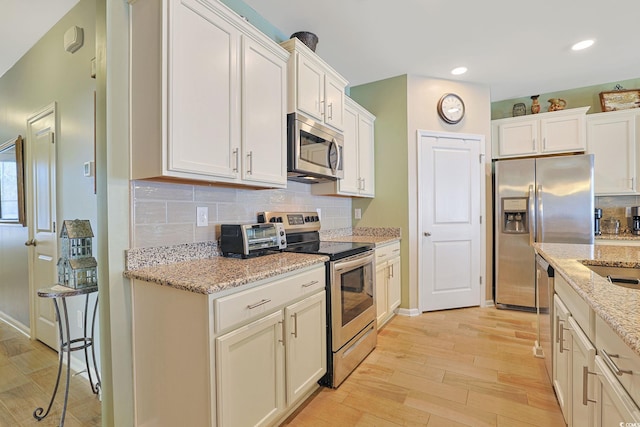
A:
336	147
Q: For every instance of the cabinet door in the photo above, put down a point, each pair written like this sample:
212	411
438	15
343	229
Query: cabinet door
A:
382	306
563	134
310	87
366	157
264	135
203	116
249	370
333	102
613	406
306	346
582	360
518	139
394	283
349	185
561	348
611	139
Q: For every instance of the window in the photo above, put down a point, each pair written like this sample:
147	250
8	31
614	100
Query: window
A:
11	182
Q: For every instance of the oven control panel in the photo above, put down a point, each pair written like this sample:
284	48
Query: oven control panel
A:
292	221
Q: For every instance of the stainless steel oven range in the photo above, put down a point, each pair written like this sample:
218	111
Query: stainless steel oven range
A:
351	308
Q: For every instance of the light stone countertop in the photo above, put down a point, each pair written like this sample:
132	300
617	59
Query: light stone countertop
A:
621	236
216	274
618	306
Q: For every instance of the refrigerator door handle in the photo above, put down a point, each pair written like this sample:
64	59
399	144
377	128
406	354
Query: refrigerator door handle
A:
531	209
539	215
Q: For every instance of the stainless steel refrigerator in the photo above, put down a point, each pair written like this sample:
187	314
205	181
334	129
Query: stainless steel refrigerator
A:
546	199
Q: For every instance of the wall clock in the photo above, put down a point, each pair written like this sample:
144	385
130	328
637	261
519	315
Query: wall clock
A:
451	108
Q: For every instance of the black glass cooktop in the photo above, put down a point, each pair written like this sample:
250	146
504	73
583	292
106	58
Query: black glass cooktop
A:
334	250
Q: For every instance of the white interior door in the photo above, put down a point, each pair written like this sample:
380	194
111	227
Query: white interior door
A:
450	189
41	220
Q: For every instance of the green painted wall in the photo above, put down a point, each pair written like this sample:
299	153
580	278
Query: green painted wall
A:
387	99
580	97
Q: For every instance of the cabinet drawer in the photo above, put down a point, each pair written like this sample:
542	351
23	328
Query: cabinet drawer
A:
246	305
387	252
577	306
627	360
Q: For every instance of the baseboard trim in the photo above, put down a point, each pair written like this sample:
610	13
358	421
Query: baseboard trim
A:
19	326
489	303
408	312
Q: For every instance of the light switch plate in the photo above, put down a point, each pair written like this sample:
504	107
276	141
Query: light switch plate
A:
357	213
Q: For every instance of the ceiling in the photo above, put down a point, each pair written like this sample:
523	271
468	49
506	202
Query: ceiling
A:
517	48
23	23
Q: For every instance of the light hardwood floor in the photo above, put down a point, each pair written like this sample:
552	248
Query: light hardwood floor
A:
467	367
27	376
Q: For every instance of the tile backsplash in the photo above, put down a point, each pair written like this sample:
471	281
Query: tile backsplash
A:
616	207
165	213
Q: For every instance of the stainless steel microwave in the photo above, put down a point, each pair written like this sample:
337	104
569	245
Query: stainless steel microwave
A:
314	151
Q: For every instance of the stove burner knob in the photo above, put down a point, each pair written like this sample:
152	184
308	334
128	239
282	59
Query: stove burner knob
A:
272	219
281	233
279	219
282	242
316	218
307	219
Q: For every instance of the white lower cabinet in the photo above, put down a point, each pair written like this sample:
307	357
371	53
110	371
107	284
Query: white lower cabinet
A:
247	358
582	362
561	355
614	405
297	332
388	282
250	389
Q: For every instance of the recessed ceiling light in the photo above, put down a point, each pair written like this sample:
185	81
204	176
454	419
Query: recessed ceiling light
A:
458	71
582	45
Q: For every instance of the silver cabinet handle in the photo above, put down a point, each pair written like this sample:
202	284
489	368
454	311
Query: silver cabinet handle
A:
331	111
306	285
250	156
611	364
561	340
281	323
235	153
427	234
534	144
544	143
258	304
321	108
364	184
31	242
585	386
295	325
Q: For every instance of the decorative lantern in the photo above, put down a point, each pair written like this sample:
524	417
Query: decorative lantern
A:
77	268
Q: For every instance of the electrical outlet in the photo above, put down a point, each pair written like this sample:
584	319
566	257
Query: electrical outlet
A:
202	216
357	213
80	318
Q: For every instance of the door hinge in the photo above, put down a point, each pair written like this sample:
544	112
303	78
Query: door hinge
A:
480	158
481	280
53	137
54	226
480	219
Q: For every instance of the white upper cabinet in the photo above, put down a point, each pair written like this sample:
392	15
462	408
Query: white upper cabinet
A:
315	89
358	155
208	96
611	138
540	134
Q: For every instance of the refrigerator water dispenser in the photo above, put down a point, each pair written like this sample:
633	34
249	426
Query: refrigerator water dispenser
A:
514	215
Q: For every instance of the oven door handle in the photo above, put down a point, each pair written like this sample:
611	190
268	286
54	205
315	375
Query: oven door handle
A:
349	265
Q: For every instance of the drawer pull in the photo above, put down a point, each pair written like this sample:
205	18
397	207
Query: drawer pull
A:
306	285
258	304
561	338
612	365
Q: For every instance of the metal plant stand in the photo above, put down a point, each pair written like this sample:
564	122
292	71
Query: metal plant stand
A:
59	294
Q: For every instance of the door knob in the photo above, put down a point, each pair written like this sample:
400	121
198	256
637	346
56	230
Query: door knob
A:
427	234
31	242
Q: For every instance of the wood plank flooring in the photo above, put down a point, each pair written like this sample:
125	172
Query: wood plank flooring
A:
467	367
27	376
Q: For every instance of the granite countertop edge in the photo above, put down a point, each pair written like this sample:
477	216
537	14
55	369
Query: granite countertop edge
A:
217	274
616	305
